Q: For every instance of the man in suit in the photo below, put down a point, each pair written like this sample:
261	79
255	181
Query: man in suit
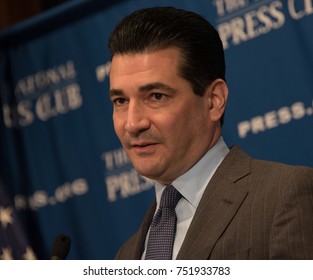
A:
168	89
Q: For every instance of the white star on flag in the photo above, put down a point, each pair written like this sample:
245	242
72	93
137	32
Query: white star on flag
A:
6	216
6	254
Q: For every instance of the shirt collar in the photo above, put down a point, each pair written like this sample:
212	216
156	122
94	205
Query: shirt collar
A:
193	183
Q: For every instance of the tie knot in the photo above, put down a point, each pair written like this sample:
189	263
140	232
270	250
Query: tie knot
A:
170	197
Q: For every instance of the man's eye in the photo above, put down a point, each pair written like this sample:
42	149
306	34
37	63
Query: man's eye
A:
119	101
157	96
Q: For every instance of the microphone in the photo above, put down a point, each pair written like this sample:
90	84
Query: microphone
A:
61	247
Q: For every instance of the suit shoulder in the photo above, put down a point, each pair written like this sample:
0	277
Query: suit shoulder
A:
284	175
280	168
268	170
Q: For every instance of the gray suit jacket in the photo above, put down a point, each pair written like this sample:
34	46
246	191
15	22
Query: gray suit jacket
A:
251	209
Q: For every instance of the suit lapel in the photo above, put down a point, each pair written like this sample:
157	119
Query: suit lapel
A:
137	242
218	205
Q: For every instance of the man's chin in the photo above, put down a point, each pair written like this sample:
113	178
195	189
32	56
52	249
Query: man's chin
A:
151	173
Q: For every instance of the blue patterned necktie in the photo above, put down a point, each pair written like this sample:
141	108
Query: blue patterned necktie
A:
163	227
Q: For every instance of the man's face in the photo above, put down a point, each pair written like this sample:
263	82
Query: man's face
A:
162	124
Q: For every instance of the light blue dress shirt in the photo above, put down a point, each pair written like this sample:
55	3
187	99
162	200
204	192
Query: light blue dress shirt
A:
192	185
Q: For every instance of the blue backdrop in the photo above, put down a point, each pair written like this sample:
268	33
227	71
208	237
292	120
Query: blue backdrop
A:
61	163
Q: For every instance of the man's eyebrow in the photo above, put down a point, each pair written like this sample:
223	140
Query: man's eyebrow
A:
145	88
157	85
116	92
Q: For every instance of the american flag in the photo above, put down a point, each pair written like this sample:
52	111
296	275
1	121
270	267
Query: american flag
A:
13	241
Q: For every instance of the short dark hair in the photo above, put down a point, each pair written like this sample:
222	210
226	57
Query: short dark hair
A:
152	29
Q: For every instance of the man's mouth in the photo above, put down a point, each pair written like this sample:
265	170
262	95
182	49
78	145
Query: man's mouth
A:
143	147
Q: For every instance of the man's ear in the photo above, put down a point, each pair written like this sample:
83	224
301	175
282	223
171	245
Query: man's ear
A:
217	92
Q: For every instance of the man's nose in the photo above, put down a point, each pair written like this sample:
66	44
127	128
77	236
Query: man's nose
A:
137	118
